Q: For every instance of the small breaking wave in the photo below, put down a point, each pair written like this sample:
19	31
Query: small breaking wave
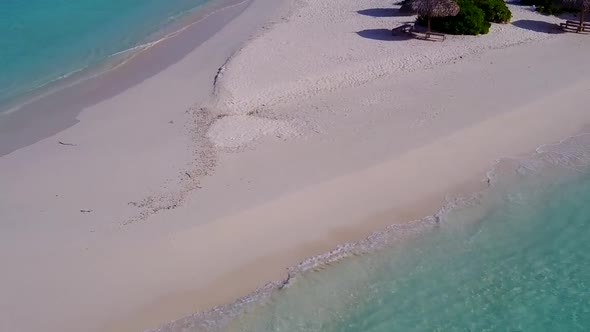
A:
570	156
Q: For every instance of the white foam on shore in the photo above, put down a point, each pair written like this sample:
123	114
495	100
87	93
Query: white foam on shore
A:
132	130
572	153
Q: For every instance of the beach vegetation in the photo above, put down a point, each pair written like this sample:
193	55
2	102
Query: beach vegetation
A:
429	9
552	7
471	20
548	7
495	11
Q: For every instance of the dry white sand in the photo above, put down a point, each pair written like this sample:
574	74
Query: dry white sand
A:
322	46
353	133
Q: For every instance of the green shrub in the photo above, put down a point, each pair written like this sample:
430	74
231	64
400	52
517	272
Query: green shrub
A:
495	10
547	7
550	10
470	21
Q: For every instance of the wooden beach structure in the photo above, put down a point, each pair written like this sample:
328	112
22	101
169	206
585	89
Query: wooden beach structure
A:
429	9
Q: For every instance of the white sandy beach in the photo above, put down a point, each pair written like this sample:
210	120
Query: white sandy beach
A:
179	195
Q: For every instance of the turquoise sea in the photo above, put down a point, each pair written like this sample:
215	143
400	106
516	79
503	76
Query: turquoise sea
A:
515	257
44	40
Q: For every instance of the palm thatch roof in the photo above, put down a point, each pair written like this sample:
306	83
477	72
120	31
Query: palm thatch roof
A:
437	8
406	8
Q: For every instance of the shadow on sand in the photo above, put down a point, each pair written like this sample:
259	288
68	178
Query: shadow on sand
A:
384	34
538	26
382	12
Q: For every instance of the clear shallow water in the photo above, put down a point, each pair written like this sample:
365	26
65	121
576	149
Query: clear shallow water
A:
43	40
518	260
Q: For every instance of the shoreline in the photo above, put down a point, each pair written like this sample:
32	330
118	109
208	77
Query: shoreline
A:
557	162
220	316
70	95
314	256
105	136
364	156
469	187
120	58
258	272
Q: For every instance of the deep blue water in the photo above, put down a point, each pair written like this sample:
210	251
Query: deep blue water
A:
43	40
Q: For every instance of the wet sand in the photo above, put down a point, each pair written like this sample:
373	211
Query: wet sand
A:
56	107
200	193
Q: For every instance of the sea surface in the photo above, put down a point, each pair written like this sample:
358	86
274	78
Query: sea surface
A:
42	41
515	257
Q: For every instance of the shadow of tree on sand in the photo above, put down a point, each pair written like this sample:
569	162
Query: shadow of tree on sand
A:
382	12
383	34
538	26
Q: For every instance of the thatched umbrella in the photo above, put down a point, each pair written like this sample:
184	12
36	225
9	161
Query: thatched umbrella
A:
406	8
582	5
435	8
